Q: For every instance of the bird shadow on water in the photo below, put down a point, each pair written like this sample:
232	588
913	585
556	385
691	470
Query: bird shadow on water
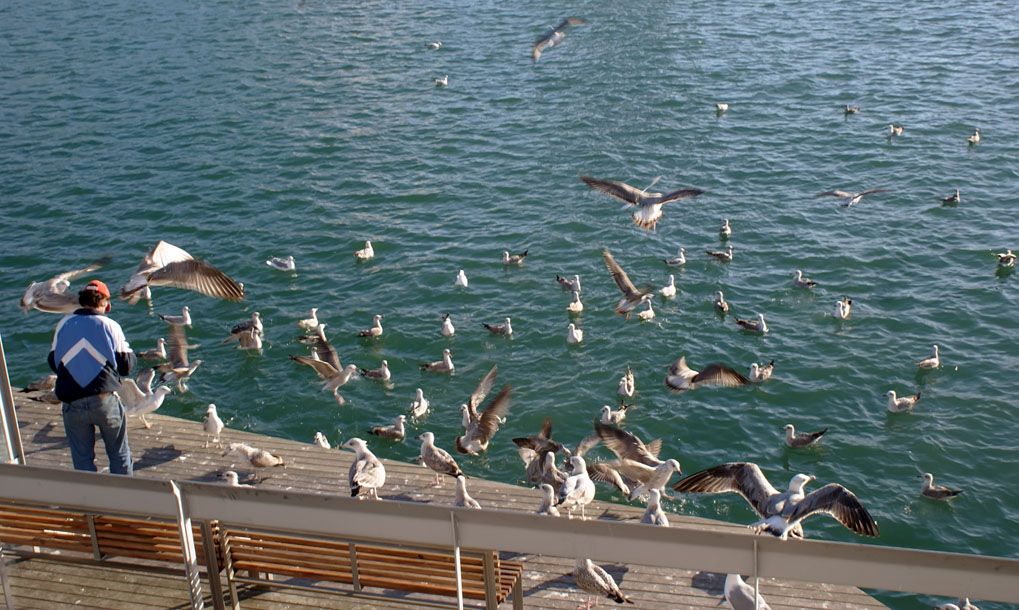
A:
157	455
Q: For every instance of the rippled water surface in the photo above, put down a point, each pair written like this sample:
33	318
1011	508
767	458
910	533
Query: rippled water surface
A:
243	130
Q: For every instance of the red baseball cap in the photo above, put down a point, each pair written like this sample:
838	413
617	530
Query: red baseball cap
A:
98	286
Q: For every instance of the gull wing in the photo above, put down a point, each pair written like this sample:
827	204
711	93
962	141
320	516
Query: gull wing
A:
95	266
836	193
321	367
837	501
367	472
677	194
199	276
625	444
619	190
177	347
56	302
619	276
588	443
129	394
144	380
744	478
872	191
493	414
604	473
720	374
483	388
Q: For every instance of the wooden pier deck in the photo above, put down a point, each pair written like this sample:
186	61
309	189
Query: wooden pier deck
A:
173	449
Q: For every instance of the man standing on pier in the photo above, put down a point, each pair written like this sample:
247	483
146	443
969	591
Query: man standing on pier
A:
89	355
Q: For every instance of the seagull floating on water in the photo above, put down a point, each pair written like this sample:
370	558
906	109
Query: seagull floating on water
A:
669	290
212	425
50	297
632	297
850	109
720	303
895	130
782	512
842	308
975	138
936	492
441	82
380	374
726	231
679	259
395	431
953	199
282	264
515	259
1006	258
437	459
742	596
419	406
574	334
933	362
311	322
575	306
182	320
721	107
566	284
461	279
433	45
366	252
597	581
647	314
555	36
725	255
608	416
367	473
375	330
159	353
759	373
799	440
847	199
500	329
447	329
627	385
905	403
757	326
440	366
802	282
168	265
682	378
649	205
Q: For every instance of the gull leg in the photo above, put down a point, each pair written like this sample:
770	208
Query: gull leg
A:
145	423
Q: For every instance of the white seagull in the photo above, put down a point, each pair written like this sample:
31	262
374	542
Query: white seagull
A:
725	255
577	490
682	378
311	322
676	261
648	314
380	374
720	303
461	279
547	506
442	82
933	362
847	199
842	308
669	290
799	440
936	492
182	320
322	441
759	373
440	366
500	329
781	512
212	425
608	416
653	514
627	385
367	473
514	259
447	329
648	205
757	326
975	138
742	596
257	458
721	107
168	265
726	230
905	403
419	406
395	431
434	45
159	353
437	459
282	264
139	398
375	330
575	305
462	499
366	252
50	297
566	284
574	334
802	282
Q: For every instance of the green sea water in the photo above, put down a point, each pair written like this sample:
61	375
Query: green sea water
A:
240	131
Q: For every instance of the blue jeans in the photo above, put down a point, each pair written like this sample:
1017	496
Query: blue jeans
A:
82	417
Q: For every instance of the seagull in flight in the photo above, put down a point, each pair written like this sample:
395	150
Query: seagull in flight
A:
682	378
782	512
168	265
632	297
555	36
649	205
847	199
50	297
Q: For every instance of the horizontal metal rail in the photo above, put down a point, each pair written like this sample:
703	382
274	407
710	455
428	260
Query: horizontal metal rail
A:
724	550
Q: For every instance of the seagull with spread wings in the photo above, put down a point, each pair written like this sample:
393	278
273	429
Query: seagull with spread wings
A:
649	205
849	199
482	426
326	363
50	296
555	36
168	265
178	369
782	512
681	377
632	297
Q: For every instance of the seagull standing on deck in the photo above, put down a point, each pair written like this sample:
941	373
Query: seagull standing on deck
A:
367	473
648	205
577	490
437	459
213	426
742	596
258	458
554	37
547	506
653	514
595	580
462	499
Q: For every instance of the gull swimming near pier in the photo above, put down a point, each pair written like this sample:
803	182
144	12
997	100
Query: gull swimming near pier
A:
575	306
515	259
311	322
933	362
725	255
720	303
953	199
647	314
178	368
608	416
322	441
899	405
380	374
799	440
759	373
252	323
653	514
419	406
554	36
212	425
632	297
500	329
394	432
975	138
648	205
682	378
367	474
802	282
440	366
442	82
139	398
574	334
1006	258
159	353
257	458
577	490
742	596
461	279
842	308
366	252
462	499
566	284
49	296
168	265
936	492
595	580
782	512
726	231
547	506
282	264
182	320
447	329
375	330
850	109
669	290
757	326
676	261
847	199
437	459
627	384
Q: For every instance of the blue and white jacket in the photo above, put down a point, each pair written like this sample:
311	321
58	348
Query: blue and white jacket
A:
89	355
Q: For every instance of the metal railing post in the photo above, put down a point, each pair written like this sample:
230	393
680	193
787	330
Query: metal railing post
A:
456	563
187	546
9	417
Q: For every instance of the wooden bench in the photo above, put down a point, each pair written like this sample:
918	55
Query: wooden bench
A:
315	564
108	540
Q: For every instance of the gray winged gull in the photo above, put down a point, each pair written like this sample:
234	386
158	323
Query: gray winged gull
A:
380	374
681	377
895	130
577	490
566	284
419	406
802	282
721	305
139	398
481	426
252	323
742	596
326	364
462	499
897	404
757	326
725	232
723	255
395	431
632	297
547	506
376	328
847	199
936	492
759	373
653	514
212	425
648	205
651	478
50	296
322	441
168	265
676	261
179	368
506	328
932	362
608	416
782	512
158	353
801	439
953	199
437	459
440	366
282	264
513	259
595	580
257	458
627	446
1006	258
367	474
574	334
554	36
847	109
184	319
